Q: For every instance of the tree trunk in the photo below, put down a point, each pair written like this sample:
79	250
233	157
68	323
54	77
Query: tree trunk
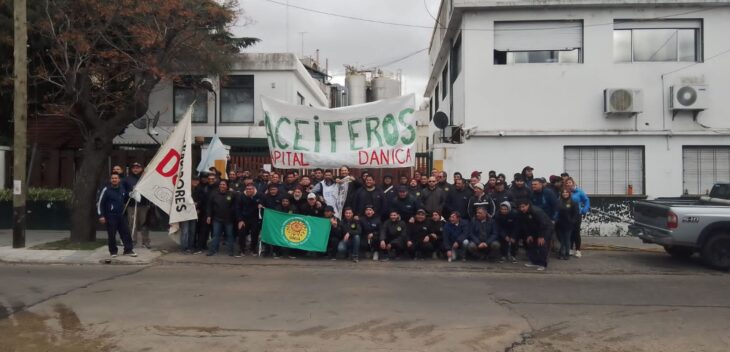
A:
83	212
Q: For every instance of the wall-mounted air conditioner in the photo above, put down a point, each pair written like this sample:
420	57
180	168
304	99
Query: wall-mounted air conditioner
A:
622	101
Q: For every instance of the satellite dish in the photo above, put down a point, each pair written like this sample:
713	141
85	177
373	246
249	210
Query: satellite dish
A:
440	120
140	123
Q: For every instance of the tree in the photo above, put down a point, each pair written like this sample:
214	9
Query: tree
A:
105	57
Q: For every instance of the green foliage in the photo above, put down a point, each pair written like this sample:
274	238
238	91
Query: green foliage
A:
40	195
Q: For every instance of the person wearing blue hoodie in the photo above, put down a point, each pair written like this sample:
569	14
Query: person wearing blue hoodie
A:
544	198
110	209
584	204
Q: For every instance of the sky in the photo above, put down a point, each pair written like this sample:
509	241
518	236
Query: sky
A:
346	41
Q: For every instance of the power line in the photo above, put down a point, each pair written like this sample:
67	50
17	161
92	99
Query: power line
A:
441	26
697	63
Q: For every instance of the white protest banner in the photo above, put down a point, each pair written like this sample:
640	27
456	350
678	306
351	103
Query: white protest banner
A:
381	134
166	180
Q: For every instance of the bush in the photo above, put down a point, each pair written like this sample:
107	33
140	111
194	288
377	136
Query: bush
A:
40	195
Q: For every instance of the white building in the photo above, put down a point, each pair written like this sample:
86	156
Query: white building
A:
526	81
236	101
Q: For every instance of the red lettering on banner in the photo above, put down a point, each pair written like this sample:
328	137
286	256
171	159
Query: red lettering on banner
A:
172	157
289	159
385	157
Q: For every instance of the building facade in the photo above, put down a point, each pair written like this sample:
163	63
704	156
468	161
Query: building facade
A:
629	97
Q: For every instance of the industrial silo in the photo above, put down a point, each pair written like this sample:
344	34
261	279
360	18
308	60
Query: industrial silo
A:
385	88
356	88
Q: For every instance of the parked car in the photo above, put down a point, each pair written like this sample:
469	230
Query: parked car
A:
686	226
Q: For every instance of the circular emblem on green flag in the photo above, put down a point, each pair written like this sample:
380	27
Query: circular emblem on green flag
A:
296	231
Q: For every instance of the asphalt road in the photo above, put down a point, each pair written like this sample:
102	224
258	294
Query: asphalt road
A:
607	301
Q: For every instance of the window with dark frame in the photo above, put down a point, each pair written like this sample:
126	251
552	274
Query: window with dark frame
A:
237	99
185	91
657	41
437	98
455	59
444	81
528	42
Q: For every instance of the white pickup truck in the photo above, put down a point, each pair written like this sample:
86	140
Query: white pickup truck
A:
686	226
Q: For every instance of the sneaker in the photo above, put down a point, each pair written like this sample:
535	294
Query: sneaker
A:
131	254
114	255
239	255
502	260
529	265
541	268
513	260
375	256
292	257
333	258
578	254
197	252
209	254
147	245
463	259
385	259
434	256
355	260
572	252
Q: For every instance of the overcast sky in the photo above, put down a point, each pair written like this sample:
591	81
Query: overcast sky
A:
346	41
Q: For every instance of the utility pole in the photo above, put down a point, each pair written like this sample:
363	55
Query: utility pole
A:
20	118
286	34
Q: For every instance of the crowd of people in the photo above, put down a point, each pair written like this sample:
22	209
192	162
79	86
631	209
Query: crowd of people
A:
419	216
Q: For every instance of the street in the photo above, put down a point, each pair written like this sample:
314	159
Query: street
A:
618	301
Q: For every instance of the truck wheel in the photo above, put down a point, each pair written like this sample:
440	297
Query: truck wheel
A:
679	252
716	251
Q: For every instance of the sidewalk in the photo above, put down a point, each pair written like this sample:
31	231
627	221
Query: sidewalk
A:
162	244
160	241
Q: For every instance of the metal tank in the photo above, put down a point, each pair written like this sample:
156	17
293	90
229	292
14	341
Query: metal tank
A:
356	84
385	88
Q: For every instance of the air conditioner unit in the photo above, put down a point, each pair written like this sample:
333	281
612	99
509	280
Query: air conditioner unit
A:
690	97
622	101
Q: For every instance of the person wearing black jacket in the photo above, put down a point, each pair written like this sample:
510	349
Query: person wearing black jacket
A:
479	200
500	193
436	231
458	198
351	239
536	229
370	224
312	207
420	243
110	209
393	237
272	199
505	222
248	212
519	190
221	213
483	238
404	204
370	194
337	232
568	215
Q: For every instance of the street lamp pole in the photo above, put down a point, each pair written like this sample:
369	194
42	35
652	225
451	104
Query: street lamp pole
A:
207	83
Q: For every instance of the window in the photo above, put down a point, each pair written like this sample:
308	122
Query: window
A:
444	81
237	99
657	41
702	167
528	42
437	98
455	60
300	99
430	110
606	170
184	93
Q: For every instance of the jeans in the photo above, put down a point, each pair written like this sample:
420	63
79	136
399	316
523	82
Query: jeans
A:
538	255
219	227
564	238
114	224
575	235
140	225
352	246
508	248
491	250
187	235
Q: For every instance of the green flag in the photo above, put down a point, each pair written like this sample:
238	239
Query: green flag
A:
307	233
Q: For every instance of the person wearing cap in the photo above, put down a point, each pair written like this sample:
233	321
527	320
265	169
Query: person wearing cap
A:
393	237
528	174
337	232
458	198
519	190
370	224
483	241
455	241
556	184
536	229
436	231
420	244
505	222
476	174
350	243
500	192
312	207
139	210
404	204
479	199
369	194
492	173
248	212
433	198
